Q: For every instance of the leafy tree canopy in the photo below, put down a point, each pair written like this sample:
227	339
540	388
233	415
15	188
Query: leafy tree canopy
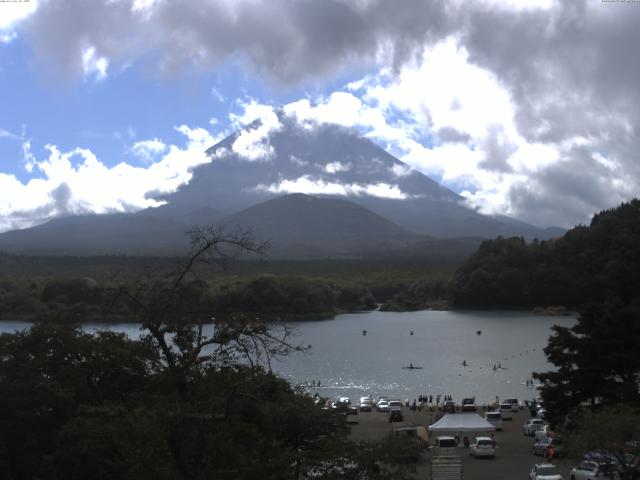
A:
588	264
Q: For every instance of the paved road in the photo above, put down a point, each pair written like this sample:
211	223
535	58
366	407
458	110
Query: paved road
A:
514	457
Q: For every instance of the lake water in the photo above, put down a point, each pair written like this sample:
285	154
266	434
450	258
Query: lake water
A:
348	363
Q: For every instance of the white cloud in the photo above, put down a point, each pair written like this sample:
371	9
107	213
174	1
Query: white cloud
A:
148	150
252	143
307	184
335	167
298	161
401	170
92	186
7	134
11	14
94	65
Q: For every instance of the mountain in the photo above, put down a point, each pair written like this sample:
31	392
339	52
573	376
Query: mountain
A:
287	155
364	201
157	231
302	225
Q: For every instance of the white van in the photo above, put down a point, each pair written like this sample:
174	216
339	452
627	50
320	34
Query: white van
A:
495	419
506	411
445	446
515	406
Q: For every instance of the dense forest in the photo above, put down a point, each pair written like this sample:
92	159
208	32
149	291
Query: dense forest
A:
588	264
77	289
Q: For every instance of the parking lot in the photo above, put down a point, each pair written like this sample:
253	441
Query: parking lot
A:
514	457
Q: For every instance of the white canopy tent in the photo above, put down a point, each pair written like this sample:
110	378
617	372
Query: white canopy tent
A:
461	423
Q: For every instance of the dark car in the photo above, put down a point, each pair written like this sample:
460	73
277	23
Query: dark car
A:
395	415
449	407
468	405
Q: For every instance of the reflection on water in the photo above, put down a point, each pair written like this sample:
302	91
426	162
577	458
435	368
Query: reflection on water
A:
348	363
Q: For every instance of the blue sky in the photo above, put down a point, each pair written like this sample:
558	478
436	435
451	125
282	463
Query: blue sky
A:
113	99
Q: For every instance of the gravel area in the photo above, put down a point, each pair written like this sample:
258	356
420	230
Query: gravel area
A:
514	457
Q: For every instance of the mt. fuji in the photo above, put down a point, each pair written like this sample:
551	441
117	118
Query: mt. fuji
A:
368	201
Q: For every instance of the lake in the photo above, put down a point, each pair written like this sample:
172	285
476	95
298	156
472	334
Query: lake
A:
348	363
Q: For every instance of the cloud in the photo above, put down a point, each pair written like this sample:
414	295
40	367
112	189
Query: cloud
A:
334	167
309	185
287	40
252	143
148	150
11	13
76	181
495	98
94	66
7	134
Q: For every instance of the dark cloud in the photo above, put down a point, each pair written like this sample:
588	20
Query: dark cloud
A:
566	192
286	39
497	151
451	135
572	70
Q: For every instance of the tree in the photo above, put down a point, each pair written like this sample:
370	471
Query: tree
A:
615	432
596	361
182	402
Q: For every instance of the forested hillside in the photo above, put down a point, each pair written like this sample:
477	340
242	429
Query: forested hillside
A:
588	264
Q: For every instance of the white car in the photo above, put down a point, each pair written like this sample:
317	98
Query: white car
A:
515	406
545	471
365	405
495	419
589	470
543	433
532	426
506	411
482	447
383	406
395	405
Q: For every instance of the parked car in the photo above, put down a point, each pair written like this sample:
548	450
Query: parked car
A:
482	447
587	470
495	419
365	405
600	456
543	433
468	405
383	406
506	411
532	426
342	405
445	445
540	448
449	406
544	471
515	406
395	415
395	404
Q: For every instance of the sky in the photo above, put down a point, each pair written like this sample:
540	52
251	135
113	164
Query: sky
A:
527	108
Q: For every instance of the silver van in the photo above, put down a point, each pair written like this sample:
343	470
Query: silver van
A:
506	410
515	406
445	446
495	419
